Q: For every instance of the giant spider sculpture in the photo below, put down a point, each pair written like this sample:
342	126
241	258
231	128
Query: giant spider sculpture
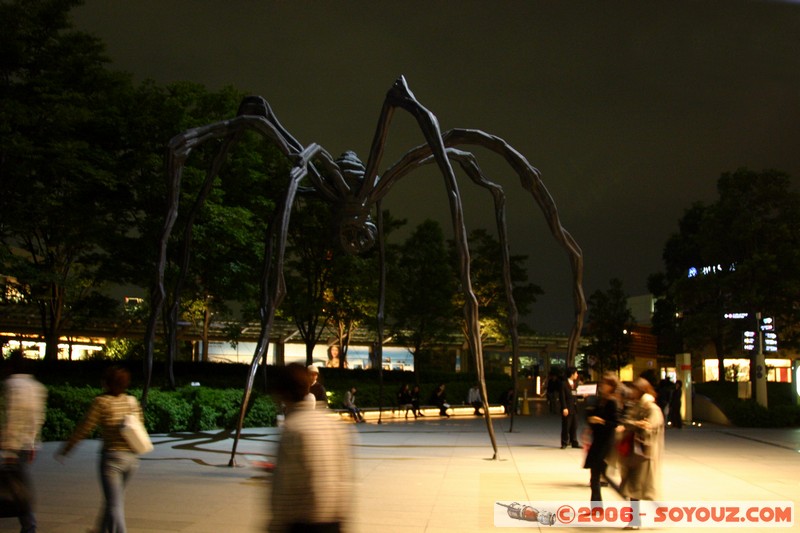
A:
356	191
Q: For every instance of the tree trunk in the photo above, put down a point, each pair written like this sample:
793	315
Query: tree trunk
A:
206	327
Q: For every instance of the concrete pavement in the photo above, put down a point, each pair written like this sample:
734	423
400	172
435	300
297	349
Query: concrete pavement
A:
430	475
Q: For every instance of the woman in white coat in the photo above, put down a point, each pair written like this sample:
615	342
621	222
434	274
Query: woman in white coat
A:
640	467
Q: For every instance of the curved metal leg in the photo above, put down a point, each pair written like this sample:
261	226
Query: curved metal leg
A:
400	96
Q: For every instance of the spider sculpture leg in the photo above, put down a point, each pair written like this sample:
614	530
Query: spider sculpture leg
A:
180	147
400	96
263	122
531	181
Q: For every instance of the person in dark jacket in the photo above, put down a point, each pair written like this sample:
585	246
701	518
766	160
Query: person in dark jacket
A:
603	418
439	399
675	404
567	396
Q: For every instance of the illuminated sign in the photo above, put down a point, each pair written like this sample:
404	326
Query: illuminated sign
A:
767	324
736	316
711	269
770	341
749	341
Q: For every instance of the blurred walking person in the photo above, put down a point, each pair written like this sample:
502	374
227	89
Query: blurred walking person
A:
602	419
24	402
312	488
644	430
118	462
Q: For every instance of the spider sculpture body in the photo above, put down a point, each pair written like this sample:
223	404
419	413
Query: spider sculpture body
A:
356	189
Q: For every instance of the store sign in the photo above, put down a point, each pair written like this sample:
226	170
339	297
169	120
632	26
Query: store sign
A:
711	269
736	316
770	341
749	340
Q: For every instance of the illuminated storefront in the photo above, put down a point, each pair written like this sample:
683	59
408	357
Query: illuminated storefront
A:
76	350
779	370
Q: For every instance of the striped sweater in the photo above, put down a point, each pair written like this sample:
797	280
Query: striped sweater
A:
107	412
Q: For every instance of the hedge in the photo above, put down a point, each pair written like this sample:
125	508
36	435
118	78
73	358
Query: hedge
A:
188	409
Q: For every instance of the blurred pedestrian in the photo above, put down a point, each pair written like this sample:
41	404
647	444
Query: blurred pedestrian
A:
644	429
312	488
675	406
118	462
506	399
24	401
316	389
602	418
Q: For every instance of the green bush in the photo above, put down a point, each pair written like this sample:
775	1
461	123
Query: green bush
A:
263	413
167	412
66	406
187	409
73	402
212	408
57	425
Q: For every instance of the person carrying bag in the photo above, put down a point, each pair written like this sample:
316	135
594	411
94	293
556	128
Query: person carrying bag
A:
118	458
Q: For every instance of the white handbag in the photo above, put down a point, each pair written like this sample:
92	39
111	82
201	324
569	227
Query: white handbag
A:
134	432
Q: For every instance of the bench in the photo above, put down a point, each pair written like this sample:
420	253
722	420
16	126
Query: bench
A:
432	411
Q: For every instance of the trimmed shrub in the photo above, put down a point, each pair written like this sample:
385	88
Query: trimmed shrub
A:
166	412
57	425
212	408
263	413
187	409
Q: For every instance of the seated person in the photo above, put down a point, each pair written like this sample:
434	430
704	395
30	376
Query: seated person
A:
415	392
474	399
439	399
404	401
350	404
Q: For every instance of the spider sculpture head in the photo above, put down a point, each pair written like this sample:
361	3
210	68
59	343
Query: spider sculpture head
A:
357	232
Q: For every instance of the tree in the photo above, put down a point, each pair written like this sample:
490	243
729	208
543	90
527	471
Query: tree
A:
63	205
486	270
352	296
607	327
737	255
309	259
421	311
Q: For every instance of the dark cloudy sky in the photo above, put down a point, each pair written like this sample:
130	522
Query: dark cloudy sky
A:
631	110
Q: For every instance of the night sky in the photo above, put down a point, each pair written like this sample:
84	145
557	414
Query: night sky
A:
631	110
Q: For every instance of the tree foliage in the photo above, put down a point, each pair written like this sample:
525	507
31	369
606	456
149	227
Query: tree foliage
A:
82	178
421	311
608	324
737	255
65	201
489	287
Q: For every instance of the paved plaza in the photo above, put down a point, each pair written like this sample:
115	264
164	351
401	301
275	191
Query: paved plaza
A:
430	475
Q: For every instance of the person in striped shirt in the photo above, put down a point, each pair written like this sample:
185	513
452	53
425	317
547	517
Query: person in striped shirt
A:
313	476
118	462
